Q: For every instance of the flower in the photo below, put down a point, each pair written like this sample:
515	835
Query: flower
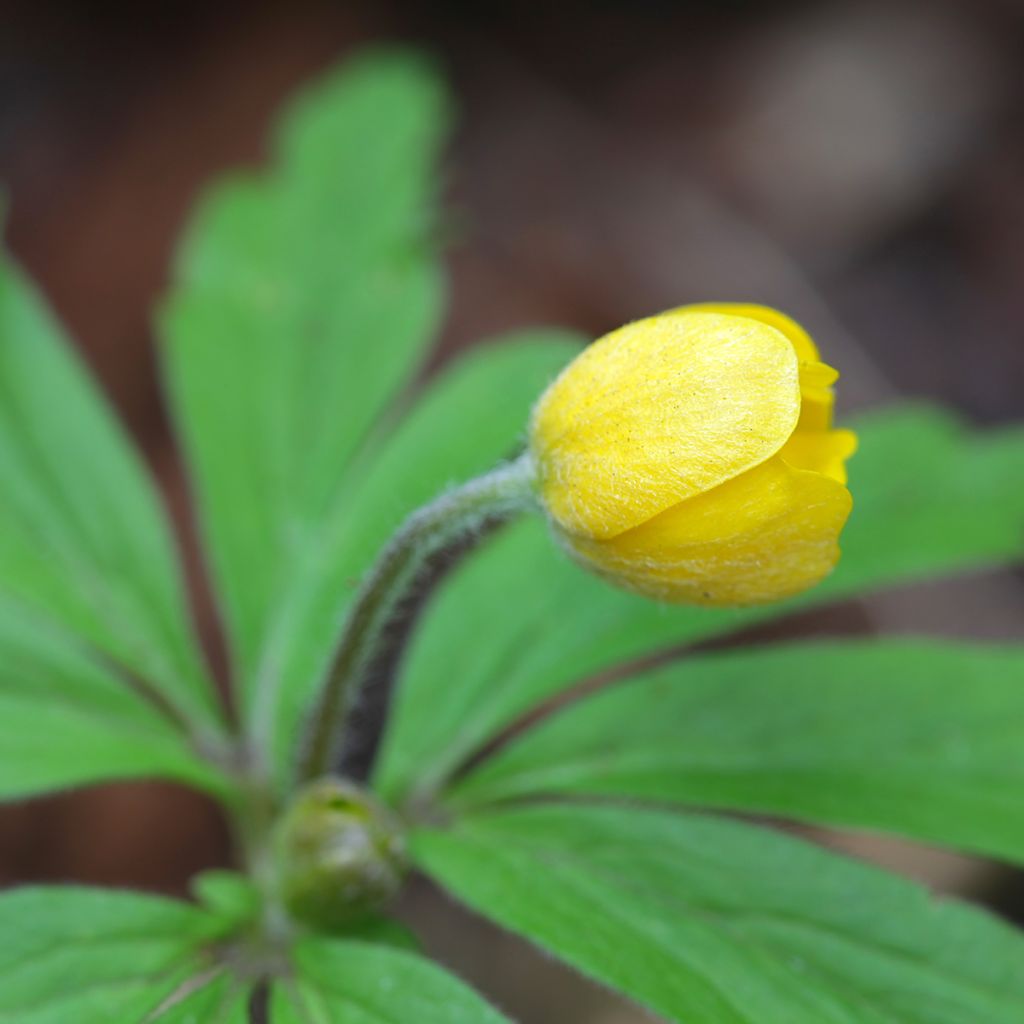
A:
691	457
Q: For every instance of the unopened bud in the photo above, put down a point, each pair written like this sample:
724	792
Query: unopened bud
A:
340	856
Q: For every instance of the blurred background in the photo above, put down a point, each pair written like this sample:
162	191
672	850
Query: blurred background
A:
860	165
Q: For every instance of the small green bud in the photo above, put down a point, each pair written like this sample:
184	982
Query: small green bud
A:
340	856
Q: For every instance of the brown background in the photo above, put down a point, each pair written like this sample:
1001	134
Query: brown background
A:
858	164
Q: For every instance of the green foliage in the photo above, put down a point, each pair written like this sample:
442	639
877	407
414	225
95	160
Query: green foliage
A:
355	983
711	920
306	299
83	542
933	498
219	999
68	717
48	746
228	895
101	673
93	956
919	738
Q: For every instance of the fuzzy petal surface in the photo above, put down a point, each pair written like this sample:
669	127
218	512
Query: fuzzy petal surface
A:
806	350
659	412
816	377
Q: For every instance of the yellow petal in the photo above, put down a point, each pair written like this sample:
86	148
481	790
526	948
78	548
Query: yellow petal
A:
821	452
806	350
768	534
816	397
658	412
816	377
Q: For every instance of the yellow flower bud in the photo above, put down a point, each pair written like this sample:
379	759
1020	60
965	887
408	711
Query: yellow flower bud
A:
691	457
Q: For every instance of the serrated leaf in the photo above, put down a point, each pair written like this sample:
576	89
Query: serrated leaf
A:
922	738
84	546
304	303
709	921
929	499
355	983
92	956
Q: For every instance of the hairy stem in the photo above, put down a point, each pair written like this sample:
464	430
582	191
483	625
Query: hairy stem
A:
446	521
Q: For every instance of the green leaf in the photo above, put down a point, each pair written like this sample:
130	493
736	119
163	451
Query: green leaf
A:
230	896
491	389
67	719
709	921
921	738
356	983
45	747
84	546
304	302
92	956
930	499
213	998
385	931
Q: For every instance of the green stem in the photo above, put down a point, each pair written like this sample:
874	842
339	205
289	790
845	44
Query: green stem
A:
450	518
253	814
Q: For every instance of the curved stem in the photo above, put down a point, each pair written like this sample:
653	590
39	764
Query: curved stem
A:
450	518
